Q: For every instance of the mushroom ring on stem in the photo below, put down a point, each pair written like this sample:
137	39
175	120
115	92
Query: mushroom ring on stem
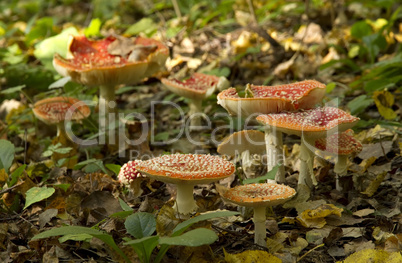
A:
340	146
244	143
313	123
186	171
273	99
53	111
196	88
259	196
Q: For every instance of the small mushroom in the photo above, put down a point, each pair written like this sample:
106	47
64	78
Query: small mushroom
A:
186	171
315	123
341	146
196	88
244	143
259	196
130	176
52	111
273	99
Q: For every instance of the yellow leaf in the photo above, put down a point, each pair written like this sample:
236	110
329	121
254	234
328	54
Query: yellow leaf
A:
372	188
312	223
373	256
251	256
366	164
3	177
322	211
384	101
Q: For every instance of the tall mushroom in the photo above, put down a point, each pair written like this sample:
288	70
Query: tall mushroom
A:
196	88
109	62
186	171
52	111
244	143
313	123
341	146
273	99
259	197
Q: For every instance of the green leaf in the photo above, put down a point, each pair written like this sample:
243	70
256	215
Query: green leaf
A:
64	187
124	206
16	174
41	29
37	194
359	104
361	29
162	136
13	89
144	247
46	49
59	83
93	29
194	238
270	175
144	25
76	237
91	166
122	214
180	228
115	168
79	230
377	84
140	224
7	151
330	87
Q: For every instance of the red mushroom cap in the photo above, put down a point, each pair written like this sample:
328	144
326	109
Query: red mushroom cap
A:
257	195
54	110
198	86
273	99
318	122
128	172
92	64
339	143
187	168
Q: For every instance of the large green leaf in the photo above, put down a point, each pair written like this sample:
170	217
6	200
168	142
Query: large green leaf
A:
270	175
140	224
180	228
7	151
79	231
37	194
144	247
194	238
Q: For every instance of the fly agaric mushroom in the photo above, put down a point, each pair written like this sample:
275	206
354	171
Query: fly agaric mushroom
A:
130	176
259	197
313	123
52	111
186	171
244	143
108	62
273	99
196	88
340	145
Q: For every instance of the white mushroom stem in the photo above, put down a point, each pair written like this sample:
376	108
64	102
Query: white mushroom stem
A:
246	162
106	96
273	142
185	202
306	175
340	169
195	109
260	231
61	132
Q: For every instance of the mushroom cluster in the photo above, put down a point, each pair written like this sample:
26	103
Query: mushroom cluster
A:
273	99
